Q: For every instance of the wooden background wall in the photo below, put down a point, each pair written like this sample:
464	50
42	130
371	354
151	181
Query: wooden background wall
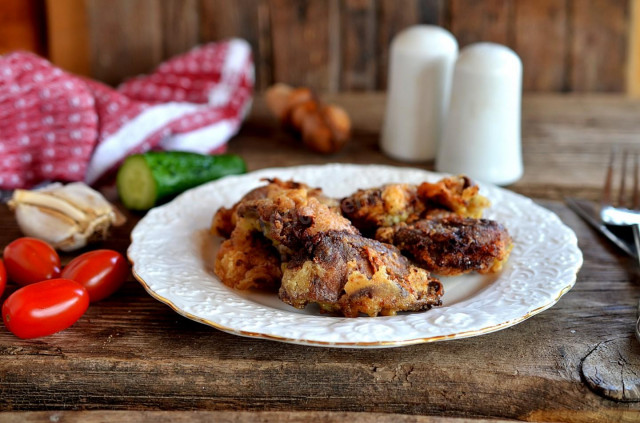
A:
334	45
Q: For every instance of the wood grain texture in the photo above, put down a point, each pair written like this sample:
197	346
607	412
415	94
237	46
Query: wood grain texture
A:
68	35
126	38
22	26
490	20
227	417
433	12
598	45
396	15
541	41
247	19
332	45
180	26
582	130
310	30
358	36
633	50
132	352
263	56
612	369
393	17
566	139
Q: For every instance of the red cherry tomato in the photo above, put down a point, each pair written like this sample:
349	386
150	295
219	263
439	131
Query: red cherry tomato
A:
100	271
30	260
44	308
3	278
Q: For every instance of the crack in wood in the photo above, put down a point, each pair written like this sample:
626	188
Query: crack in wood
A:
611	369
36	350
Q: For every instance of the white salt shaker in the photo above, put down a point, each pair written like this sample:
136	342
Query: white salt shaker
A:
420	69
482	132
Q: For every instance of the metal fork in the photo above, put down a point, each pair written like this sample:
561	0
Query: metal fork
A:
626	210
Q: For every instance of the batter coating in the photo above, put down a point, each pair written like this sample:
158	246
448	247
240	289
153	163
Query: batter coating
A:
388	205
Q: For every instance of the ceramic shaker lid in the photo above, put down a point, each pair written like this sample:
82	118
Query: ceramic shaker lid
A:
482	132
420	69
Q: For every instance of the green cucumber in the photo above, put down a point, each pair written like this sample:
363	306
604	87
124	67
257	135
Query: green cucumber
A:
145	179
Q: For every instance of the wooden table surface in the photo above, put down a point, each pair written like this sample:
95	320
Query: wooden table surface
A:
131	358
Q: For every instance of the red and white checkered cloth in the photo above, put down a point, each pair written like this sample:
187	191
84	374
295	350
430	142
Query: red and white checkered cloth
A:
58	126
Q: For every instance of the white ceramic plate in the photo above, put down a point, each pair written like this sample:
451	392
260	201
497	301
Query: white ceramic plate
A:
172	256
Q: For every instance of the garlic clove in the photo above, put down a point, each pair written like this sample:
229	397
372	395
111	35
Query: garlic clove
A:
67	216
46	224
49	201
84	198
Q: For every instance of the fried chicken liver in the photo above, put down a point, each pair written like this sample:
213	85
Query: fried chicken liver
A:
327	261
451	245
291	217
349	274
247	259
323	257
225	219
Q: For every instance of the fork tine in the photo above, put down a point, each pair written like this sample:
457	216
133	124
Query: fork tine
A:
636	182
606	189
623	174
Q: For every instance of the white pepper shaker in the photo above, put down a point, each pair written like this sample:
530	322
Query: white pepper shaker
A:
421	64
482	132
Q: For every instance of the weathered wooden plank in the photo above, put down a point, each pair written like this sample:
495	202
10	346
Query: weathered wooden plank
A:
393	17
433	12
598	49
633	50
340	44
180	26
67	33
130	351
612	369
247	19
474	21
125	38
305	36
541	41
227	417
358	34
573	136
263	57
566	139
22	26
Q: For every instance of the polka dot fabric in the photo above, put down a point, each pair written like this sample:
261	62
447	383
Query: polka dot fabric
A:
48	124
57	126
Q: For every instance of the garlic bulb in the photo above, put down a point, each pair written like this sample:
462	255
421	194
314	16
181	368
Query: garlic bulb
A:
66	216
